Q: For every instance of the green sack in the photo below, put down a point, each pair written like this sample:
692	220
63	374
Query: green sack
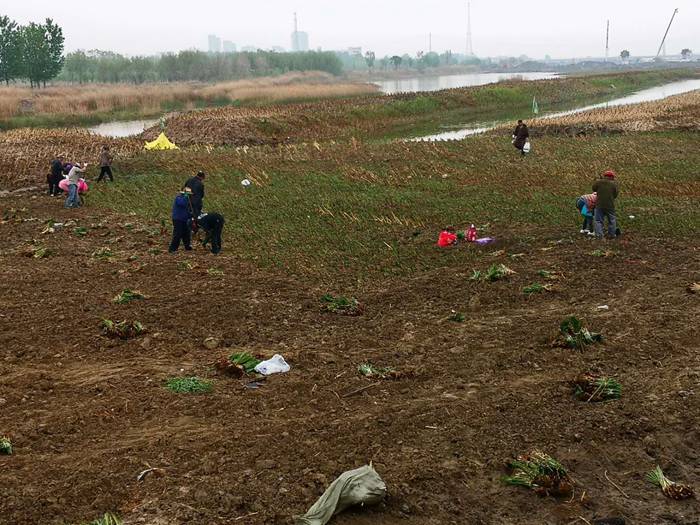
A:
361	486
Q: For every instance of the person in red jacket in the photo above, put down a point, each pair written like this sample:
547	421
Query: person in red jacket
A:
447	237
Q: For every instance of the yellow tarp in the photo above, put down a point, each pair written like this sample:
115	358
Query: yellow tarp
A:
161	142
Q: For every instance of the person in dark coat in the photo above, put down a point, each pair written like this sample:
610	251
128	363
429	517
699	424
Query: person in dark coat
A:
607	192
55	176
105	164
213	225
520	136
182	215
196	184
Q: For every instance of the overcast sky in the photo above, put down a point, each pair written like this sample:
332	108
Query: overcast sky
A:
560	28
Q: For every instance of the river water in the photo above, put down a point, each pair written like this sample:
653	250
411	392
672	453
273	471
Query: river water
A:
135	127
127	128
436	83
645	95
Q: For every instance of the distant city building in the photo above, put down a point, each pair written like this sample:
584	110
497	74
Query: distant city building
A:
355	50
229	47
214	44
278	49
300	41
249	49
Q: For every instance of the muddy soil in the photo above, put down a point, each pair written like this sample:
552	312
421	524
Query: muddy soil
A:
86	414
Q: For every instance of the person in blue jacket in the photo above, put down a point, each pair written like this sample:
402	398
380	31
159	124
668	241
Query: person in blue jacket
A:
182	217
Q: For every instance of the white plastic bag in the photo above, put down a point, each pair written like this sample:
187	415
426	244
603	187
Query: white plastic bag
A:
527	147
275	365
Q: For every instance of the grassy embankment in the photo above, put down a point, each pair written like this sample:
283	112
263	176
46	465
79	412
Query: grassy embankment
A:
360	211
431	113
67	106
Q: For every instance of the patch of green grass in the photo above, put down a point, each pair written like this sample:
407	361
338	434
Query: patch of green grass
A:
348	213
80	231
189	385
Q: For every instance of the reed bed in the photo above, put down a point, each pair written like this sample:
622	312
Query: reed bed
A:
91	99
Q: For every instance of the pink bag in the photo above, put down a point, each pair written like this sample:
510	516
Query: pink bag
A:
82	185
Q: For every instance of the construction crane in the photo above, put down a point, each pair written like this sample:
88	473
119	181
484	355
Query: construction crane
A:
663	40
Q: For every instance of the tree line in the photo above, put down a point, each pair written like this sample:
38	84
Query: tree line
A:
106	66
33	52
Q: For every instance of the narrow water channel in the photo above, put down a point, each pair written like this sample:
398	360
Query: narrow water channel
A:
645	95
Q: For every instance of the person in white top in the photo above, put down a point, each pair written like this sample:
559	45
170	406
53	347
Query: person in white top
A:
73	199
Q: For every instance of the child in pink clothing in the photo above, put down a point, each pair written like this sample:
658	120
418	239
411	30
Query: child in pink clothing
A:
586	205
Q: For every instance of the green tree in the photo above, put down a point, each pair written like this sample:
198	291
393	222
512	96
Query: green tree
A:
370	57
34	53
53	63
624	55
396	61
76	67
42	52
686	53
10	50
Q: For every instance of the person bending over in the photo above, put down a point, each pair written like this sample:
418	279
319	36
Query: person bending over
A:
213	225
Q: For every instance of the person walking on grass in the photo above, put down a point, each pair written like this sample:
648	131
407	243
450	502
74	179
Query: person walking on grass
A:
520	136
73	199
182	216
196	185
105	164
606	190
55	176
213	225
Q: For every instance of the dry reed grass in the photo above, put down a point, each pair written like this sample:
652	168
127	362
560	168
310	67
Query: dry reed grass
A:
676	112
151	98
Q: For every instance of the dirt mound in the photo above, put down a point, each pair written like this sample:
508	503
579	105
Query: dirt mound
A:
25	154
86	413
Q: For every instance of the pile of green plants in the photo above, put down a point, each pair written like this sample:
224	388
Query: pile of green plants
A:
102	253
377	372
127	296
496	272
5	446
41	252
541	473
575	335
189	385
121	329
537	288
457	317
107	519
590	387
341	305
238	364
670	488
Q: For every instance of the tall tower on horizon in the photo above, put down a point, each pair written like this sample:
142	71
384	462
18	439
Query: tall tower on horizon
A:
470	49
607	41
300	39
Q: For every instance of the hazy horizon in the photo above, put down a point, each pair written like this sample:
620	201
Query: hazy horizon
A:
505	28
